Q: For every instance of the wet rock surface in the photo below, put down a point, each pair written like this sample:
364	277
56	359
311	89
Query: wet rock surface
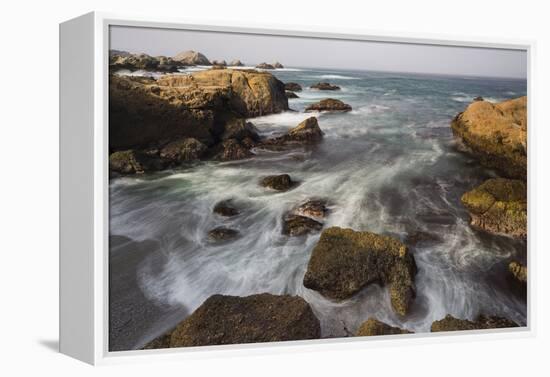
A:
373	327
482	322
329	104
324	86
281	182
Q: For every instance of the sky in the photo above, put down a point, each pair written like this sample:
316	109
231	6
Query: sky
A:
334	54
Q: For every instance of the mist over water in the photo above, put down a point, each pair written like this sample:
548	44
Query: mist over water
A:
389	166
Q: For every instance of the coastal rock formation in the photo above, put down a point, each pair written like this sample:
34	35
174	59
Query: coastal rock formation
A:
293	87
240	129
134	62
450	323
239	320
307	132
133	162
496	134
191	58
222	63
278	65
224	208
518	271
329	104
373	327
235	63
344	261
186	149
499	205
290	94
296	225
147	111
233	149
314	208
280	182
222	234
324	86
265	66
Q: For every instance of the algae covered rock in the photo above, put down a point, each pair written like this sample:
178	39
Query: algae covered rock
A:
518	271
345	261
281	182
450	323
496	134
329	104
373	327
187	149
252	319
499	205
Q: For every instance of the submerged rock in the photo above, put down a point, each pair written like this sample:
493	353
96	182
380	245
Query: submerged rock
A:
290	94
373	327
280	182
293	87
329	104
518	271
239	320
191	58
324	86
187	149
224	208
499	205
265	66
345	261
295	225
450	323
222	234
496	134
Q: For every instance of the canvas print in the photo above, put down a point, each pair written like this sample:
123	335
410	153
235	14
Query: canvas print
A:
276	188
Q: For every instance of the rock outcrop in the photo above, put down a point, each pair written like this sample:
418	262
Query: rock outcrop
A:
373	327
450	323
293	87
324	86
134	62
329	104
281	182
499	205
222	63
278	65
186	149
240	320
133	162
235	63
496	134
191	58
265	66
345	261
307	132
518	271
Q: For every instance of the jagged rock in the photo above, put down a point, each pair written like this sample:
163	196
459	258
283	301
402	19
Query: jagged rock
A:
307	132
499	205
224	208
329	104
278	65
314	208
519	271
133	162
265	66
233	149
239	320
235	63
222	234
345	261
290	94
450	323
373	327
295	225
187	149
324	86
293	87
496	134
278	182
240	129
191	58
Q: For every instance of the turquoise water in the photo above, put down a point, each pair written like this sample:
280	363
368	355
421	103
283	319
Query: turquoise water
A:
389	166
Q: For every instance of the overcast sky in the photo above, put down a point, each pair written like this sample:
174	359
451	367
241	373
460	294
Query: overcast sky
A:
324	53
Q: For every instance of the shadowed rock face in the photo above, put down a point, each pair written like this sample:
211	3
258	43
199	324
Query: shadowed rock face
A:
345	261
373	327
450	323
238	320
134	162
187	149
499	205
329	104
518	271
496	134
290	94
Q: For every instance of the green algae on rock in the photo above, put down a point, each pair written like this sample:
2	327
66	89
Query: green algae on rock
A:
499	205
519	271
374	327
345	261
450	323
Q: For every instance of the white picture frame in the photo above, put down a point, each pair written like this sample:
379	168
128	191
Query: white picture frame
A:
84	44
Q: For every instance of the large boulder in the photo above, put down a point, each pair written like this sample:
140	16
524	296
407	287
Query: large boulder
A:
496	134
374	327
345	261
329	104
450	323
499	205
324	86
240	129
239	320
146	111
231	150
191	58
518	271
